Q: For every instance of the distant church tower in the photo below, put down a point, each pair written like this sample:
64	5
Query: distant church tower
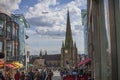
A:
68	50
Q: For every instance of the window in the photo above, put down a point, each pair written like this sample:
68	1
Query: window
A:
1	46
9	50
1	23
8	28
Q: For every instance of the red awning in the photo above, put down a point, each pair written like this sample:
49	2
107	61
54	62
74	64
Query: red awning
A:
84	61
9	65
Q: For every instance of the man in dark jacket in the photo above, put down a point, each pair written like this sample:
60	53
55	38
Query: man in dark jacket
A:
1	76
31	74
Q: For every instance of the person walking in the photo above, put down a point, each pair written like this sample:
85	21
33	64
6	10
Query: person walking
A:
1	76
17	75
37	76
50	74
31	74
22	77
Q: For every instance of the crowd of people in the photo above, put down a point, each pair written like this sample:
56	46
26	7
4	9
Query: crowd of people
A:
44	73
37	74
75	72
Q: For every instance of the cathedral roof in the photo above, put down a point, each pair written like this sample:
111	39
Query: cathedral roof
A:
53	57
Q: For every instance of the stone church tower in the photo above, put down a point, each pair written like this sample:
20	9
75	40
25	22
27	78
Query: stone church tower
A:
69	49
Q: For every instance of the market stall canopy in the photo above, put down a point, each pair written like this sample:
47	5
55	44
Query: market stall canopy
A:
9	65
30	65
17	64
84	62
1	66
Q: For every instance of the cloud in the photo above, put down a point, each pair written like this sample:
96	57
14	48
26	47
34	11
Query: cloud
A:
7	6
50	32
40	21
81	3
47	19
30	32
51	21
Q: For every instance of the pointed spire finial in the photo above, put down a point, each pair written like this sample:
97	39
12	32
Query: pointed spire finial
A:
75	44
68	9
45	52
62	44
41	53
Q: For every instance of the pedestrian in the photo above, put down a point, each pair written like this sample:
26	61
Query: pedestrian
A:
50	74
43	73
27	77
1	76
31	74
37	75
22	77
17	75
7	75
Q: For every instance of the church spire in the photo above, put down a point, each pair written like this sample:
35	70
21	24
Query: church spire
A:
68	38
40	54
74	44
62	44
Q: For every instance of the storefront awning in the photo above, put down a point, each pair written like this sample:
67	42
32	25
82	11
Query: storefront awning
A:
84	62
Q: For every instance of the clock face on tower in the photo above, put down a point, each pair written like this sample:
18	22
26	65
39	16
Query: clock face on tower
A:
66	51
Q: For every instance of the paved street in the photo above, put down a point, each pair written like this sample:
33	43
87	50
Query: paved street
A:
56	75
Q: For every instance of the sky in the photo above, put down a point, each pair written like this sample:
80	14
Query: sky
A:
47	20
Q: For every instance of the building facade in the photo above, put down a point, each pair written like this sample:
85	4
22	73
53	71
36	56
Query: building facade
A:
9	39
104	38
44	59
20	19
27	54
84	23
69	49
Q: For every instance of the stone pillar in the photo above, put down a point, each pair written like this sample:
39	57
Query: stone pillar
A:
96	40
90	35
4	45
114	22
100	41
